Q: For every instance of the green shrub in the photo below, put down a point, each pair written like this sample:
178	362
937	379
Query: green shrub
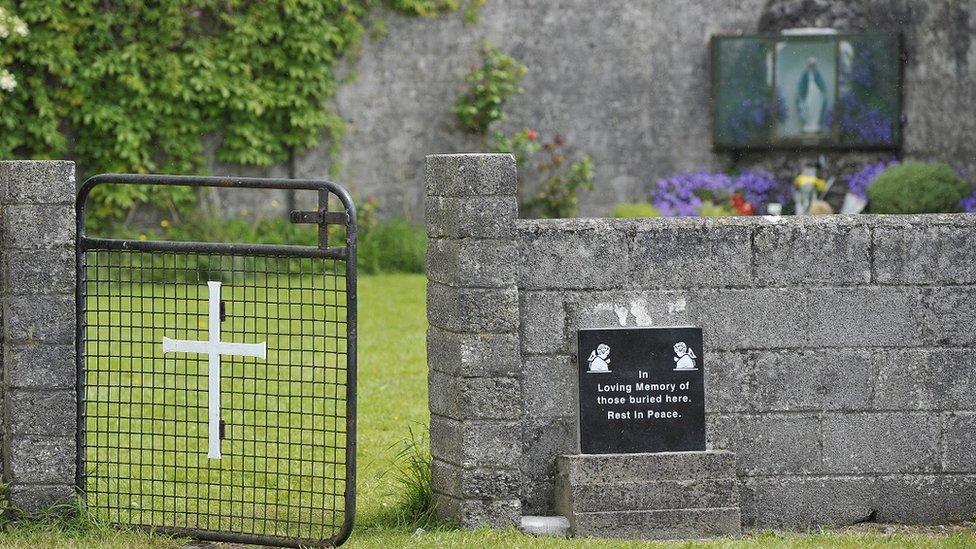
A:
489	87
394	245
710	209
635	209
562	178
917	187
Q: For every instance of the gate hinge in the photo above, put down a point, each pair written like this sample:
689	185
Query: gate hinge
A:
320	217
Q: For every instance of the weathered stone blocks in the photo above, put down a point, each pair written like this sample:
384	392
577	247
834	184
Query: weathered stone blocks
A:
41	459
472	310
37	182
37	331
36	226
39	319
477	217
482	397
44	367
39	271
948	314
475	444
585	254
924	254
475	175
33	412
475	389
472	262
778	443
896	442
864	317
665	495
660	254
813	250
662	466
550	387
665	524
959	442
473	354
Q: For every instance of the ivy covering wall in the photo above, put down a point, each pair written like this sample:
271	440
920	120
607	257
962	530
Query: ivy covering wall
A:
134	86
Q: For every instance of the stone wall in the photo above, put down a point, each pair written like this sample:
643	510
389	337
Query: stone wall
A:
37	331
840	351
626	81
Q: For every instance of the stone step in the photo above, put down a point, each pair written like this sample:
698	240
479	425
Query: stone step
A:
638	496
609	468
659	524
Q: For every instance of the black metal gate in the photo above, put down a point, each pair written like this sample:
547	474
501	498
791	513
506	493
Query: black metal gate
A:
217	381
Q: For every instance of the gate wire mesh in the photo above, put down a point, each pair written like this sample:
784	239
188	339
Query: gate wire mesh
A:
282	478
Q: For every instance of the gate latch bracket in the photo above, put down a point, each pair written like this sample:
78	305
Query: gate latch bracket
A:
320	217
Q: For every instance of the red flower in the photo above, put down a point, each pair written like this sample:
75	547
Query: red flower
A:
740	205
531	135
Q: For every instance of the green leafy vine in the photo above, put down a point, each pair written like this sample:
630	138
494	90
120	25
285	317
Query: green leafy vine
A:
136	86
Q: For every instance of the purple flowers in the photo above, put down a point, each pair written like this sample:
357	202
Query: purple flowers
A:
864	124
859	181
754	115
683	194
968	204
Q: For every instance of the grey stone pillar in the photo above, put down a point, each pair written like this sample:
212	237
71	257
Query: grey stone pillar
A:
472	343
37	331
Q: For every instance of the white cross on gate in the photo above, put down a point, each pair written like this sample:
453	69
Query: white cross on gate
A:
214	347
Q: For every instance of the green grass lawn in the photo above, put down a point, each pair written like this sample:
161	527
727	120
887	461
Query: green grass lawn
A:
392	400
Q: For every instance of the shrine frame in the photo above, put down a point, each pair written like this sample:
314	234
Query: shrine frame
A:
792	144
345	254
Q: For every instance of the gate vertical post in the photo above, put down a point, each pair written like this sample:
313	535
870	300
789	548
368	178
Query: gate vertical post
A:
472	343
37	332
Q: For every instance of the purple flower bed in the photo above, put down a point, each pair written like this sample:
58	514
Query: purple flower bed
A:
683	194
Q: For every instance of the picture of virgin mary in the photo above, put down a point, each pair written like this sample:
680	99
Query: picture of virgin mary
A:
806	76
811	98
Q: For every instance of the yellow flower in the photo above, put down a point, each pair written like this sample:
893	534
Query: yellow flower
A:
143	237
165	223
805	180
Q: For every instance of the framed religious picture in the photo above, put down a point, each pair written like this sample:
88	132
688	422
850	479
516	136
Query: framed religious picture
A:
811	89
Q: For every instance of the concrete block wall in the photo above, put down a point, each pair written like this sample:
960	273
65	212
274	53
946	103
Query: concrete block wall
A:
37	331
472	308
840	352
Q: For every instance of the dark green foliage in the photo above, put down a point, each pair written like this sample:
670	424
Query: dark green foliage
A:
136	86
917	187
394	245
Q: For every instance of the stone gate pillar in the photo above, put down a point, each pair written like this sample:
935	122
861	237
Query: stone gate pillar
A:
37	331
472	343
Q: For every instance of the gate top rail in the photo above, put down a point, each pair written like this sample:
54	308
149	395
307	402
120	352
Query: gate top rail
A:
86	242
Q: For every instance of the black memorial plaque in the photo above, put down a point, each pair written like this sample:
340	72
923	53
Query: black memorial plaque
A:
641	390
